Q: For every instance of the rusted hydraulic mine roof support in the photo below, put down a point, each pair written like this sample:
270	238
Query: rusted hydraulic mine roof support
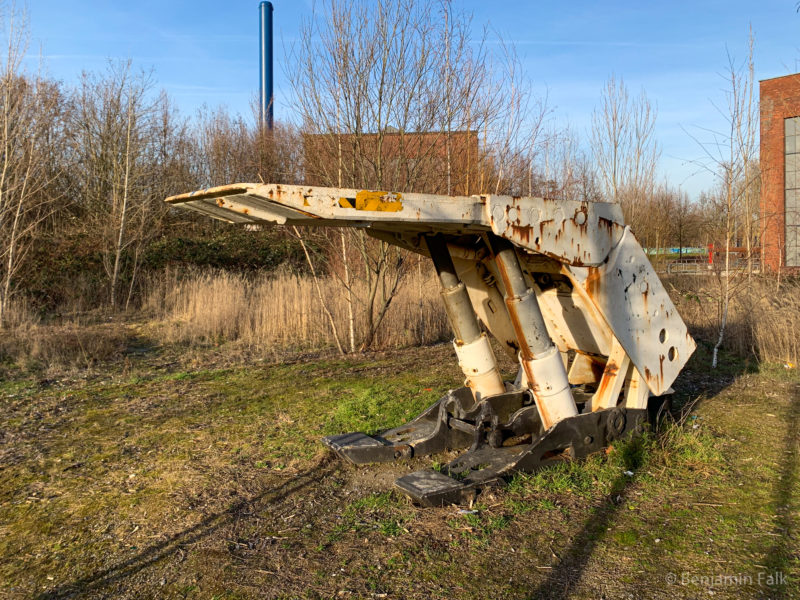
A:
563	285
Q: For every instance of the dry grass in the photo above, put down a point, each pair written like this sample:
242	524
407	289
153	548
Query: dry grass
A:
284	312
764	318
775	318
77	343
283	315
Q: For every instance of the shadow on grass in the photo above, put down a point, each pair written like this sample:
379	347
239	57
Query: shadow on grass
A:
562	579
127	568
783	551
696	384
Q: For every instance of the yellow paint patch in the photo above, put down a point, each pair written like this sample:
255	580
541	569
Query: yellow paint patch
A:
374	201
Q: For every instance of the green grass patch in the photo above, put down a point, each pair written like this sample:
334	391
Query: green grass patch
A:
370	407
384	513
479	526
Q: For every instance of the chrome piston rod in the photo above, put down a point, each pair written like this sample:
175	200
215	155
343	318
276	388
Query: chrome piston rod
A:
538	355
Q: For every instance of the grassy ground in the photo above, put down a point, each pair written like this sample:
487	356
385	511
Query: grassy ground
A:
168	478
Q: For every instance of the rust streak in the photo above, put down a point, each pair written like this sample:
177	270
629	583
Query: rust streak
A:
547	419
607	223
611	368
524	349
308	214
522	233
593	282
608	374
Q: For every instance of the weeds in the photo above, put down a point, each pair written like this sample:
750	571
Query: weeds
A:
479	526
69	346
201	444
763	320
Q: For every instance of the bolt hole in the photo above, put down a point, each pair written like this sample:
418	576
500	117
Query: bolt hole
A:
672	354
662	336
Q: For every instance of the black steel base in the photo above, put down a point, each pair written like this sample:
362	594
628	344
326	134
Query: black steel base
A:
504	435
483	465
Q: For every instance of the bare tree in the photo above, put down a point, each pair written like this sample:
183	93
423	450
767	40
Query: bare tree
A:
624	147
394	96
225	154
731	156
29	119
686	222
117	129
564	171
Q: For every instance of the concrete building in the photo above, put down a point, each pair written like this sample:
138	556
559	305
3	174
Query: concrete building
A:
780	171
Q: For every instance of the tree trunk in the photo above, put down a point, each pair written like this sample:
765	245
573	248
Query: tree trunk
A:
124	216
351	321
319	292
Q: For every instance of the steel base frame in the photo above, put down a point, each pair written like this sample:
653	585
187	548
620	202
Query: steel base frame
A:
503	435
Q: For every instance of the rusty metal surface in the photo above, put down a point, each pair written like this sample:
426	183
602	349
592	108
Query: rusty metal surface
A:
304	205
574	323
549	279
613	291
640	313
577	233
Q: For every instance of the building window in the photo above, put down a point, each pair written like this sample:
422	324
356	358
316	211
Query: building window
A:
792	190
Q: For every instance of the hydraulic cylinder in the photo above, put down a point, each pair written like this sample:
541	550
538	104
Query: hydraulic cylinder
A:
538	355
475	355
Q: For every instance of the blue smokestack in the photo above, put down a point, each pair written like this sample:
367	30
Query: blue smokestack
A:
265	63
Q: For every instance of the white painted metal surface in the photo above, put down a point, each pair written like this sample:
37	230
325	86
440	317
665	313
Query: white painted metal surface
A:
549	381
640	313
477	361
595	286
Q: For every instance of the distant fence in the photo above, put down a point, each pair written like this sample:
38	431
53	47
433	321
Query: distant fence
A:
678	251
698	260
701	265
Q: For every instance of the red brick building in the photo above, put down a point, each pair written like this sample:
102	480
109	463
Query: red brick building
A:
409	161
780	171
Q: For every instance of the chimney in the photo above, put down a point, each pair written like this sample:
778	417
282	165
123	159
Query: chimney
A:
265	63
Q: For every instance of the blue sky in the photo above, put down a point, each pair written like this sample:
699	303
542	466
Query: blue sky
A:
206	52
